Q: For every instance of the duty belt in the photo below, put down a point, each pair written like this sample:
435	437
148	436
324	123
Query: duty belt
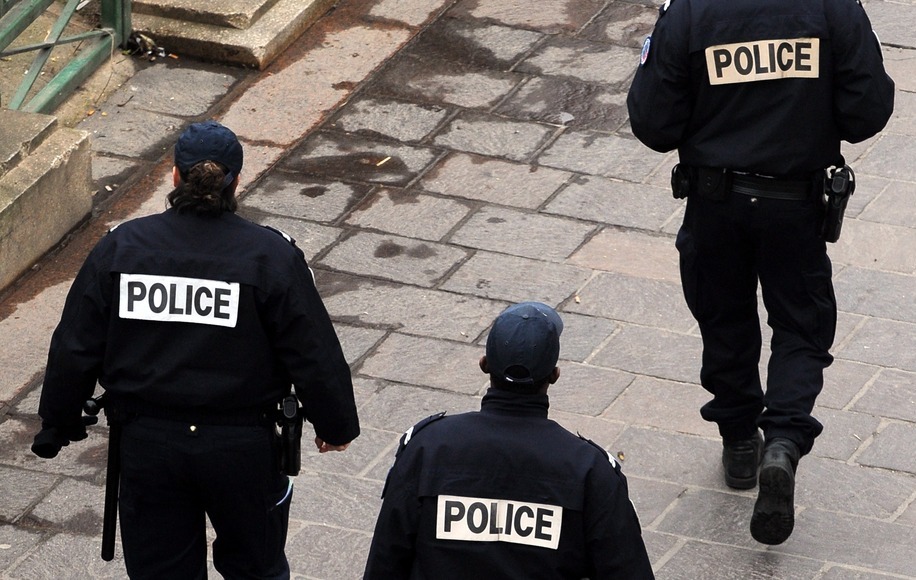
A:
126	408
771	187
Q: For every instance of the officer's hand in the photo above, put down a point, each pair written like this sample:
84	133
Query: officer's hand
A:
324	447
49	441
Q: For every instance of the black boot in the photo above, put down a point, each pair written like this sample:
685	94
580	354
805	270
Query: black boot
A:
774	512
740	459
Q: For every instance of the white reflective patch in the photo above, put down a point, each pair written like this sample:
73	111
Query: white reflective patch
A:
176	299
746	62
407	435
477	519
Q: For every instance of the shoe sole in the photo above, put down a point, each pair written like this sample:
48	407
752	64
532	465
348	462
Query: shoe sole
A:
740	483
774	512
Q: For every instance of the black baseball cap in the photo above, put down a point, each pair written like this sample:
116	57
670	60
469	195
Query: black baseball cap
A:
209	141
524	343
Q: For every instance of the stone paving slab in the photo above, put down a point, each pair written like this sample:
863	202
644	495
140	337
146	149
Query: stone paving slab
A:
631	253
389	118
331	155
409	309
675	356
567	102
874	342
387	410
494	181
432	369
411	12
529	235
516	279
582	335
608	65
590	390
599	154
892	448
875	293
826	484
312	239
500	119
891	206
409	213
654	303
310	549
845	432
476	43
843	381
551	18
678	414
303	197
394	258
616	203
444	82
493	136
839	538
892	394
622	23
701	561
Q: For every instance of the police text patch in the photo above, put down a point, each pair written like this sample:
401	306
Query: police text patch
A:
745	62
176	299
477	519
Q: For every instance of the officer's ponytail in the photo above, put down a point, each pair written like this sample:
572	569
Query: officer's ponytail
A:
203	190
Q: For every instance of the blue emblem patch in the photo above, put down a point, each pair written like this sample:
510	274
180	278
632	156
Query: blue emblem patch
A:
644	55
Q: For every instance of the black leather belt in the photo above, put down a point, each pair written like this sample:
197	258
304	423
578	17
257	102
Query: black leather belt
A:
772	188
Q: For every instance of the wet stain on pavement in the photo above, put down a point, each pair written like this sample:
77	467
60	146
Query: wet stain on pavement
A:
95	456
570	103
457	40
371	167
389	249
314	191
333	283
401	197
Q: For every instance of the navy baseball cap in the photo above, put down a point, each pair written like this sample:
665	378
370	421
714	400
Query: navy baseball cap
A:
524	343
209	141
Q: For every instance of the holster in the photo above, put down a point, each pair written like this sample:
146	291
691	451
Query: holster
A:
839	184
290	436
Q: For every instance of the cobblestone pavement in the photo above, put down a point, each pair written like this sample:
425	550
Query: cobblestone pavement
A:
438	160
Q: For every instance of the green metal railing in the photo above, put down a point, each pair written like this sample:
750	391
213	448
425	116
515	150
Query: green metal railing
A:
17	15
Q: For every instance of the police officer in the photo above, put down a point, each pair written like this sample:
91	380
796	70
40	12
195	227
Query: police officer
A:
196	321
756	96
506	493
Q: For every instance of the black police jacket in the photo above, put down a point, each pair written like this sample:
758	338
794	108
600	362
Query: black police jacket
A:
763	86
206	317
505	493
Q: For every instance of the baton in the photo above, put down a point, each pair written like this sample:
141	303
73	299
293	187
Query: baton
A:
112	478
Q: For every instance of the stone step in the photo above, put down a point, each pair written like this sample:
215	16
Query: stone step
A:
45	188
22	133
249	33
241	14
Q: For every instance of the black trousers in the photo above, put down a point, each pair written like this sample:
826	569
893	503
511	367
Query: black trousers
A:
173	477
726	247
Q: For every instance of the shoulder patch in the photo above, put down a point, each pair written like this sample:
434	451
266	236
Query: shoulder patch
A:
610	457
285	235
409	434
664	8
